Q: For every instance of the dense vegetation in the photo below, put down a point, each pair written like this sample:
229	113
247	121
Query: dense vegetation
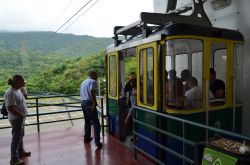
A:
66	77
59	64
52	43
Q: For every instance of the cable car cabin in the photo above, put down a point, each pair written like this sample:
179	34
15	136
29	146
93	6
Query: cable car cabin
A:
186	70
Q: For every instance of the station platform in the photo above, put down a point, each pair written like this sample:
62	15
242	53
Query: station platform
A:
65	146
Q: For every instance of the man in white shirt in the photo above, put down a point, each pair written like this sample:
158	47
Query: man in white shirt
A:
88	102
193	97
17	111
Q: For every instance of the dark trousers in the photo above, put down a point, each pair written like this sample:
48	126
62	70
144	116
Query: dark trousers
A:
91	116
17	137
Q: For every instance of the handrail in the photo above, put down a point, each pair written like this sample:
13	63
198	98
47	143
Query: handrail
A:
225	132
74	107
182	138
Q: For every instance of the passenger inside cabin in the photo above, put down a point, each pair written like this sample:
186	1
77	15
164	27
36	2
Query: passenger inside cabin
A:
185	77
150	87
128	88
129	118
166	81
217	86
193	97
166	76
175	97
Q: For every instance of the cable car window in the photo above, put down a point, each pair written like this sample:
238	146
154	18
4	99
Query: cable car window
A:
112	76
218	73
184	82
182	61
150	76
141	75
238	73
197	66
168	64
146	71
127	63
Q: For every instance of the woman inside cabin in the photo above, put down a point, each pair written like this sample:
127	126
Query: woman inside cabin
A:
128	88
129	118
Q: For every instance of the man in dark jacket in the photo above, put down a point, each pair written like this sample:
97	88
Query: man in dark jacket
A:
217	86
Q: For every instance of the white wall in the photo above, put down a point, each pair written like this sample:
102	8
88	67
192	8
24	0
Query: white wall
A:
236	17
160	6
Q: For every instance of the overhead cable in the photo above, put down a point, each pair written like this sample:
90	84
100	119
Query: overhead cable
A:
64	9
73	15
80	16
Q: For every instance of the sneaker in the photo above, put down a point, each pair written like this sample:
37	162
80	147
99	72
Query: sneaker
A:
99	146
17	162
24	154
87	140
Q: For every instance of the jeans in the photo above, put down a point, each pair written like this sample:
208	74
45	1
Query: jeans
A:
91	115
17	137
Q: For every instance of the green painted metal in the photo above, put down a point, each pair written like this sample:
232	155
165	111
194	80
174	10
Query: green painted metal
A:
186	120
222	119
37	104
113	107
213	157
146	117
218	118
203	126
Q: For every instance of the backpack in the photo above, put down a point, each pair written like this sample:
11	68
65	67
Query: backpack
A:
4	111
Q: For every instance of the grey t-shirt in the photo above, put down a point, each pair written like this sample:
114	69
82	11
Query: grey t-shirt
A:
16	98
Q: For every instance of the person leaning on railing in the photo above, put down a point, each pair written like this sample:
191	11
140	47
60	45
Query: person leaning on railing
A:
17	112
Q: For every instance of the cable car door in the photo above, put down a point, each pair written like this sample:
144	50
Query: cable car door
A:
112	93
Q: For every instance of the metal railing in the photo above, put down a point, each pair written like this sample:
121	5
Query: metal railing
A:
160	147
36	103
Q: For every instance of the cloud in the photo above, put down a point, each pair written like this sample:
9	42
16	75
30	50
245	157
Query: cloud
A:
43	15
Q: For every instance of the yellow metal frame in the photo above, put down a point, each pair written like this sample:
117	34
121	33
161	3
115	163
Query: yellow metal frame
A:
232	71
108	72
206	72
228	98
207	41
155	57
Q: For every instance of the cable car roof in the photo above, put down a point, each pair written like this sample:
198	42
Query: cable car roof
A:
204	31
134	36
153	26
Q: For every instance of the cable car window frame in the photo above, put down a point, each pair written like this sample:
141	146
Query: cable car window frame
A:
222	103
201	49
238	82
114	68
150	73
142	79
144	55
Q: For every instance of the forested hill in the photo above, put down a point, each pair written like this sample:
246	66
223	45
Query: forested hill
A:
52	43
50	61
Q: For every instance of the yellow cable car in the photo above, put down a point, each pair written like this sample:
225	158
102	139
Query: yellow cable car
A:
184	67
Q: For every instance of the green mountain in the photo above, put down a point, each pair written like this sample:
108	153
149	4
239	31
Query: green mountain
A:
52	43
50	61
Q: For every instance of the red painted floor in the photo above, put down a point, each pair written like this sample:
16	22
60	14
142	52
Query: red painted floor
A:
66	147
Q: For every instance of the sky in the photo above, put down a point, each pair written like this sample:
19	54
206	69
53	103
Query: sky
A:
50	15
